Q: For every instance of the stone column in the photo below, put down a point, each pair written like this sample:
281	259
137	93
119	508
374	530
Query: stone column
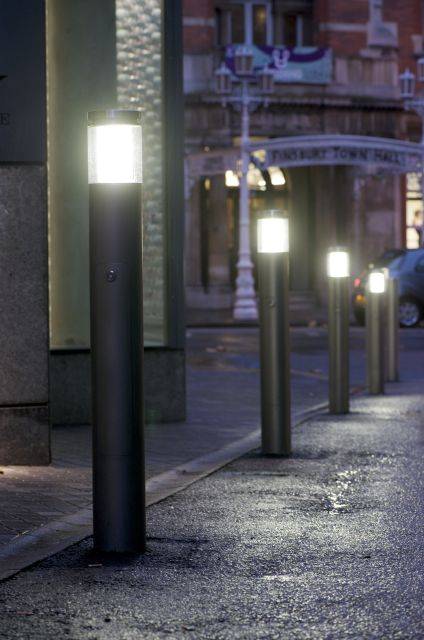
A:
24	395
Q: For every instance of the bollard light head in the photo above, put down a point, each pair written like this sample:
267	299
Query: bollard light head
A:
114	147
377	281
273	232
338	263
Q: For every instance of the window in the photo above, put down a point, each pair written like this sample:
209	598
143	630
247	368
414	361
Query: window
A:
259	24
249	22
294	23
414	211
237	23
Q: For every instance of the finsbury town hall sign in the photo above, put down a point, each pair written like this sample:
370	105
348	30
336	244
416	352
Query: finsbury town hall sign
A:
387	154
297	151
22	81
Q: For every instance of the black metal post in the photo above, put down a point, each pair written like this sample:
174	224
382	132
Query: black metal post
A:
275	352
375	342
338	344
392	330
116	352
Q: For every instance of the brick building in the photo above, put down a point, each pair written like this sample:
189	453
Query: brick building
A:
353	91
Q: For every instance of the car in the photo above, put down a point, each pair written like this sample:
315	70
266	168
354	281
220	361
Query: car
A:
407	265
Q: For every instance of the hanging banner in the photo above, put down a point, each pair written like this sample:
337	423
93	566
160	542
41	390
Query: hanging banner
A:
304	65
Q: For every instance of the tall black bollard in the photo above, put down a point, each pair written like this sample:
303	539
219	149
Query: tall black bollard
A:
392	330
114	145
375	332
338	329
273	263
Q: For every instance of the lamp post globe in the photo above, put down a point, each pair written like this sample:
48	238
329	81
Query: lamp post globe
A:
407	84
223	80
243	61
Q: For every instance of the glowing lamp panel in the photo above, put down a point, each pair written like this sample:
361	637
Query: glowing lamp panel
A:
338	264
114	154
273	235
377	282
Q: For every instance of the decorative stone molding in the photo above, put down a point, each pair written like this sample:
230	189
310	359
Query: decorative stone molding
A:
388	155
379	33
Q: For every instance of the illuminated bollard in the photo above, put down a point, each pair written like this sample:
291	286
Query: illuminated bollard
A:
273	265
338	329
376	287
115	176
392	298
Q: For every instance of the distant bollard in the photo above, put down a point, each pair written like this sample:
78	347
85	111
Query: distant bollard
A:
392	330
376	287
273	263
338	329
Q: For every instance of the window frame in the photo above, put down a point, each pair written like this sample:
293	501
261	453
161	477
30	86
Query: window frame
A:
226	19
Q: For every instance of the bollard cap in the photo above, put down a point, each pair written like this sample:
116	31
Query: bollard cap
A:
338	262
273	231
377	281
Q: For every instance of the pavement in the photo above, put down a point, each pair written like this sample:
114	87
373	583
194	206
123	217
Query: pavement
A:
326	544
46	509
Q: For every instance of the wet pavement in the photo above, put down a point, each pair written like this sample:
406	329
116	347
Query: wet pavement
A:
325	544
223	406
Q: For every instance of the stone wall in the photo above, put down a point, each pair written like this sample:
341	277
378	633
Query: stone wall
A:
24	393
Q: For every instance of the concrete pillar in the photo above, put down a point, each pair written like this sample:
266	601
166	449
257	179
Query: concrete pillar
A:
24	394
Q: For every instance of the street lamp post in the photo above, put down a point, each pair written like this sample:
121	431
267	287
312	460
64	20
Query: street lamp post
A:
273	263
376	287
338	329
245	306
415	103
115	176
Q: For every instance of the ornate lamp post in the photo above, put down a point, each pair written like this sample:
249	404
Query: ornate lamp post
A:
245	306
413	102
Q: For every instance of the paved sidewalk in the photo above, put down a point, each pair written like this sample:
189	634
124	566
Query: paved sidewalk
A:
325	545
223	420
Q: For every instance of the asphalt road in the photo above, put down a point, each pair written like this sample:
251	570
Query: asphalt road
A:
326	544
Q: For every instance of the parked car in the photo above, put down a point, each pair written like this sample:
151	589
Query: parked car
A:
407	265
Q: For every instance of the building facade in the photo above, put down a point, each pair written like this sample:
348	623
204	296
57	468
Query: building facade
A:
59	61
338	76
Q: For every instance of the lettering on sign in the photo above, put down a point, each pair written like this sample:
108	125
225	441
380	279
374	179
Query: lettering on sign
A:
399	160
394	156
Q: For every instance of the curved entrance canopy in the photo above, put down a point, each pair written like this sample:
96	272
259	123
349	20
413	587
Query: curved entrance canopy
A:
299	151
388	154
